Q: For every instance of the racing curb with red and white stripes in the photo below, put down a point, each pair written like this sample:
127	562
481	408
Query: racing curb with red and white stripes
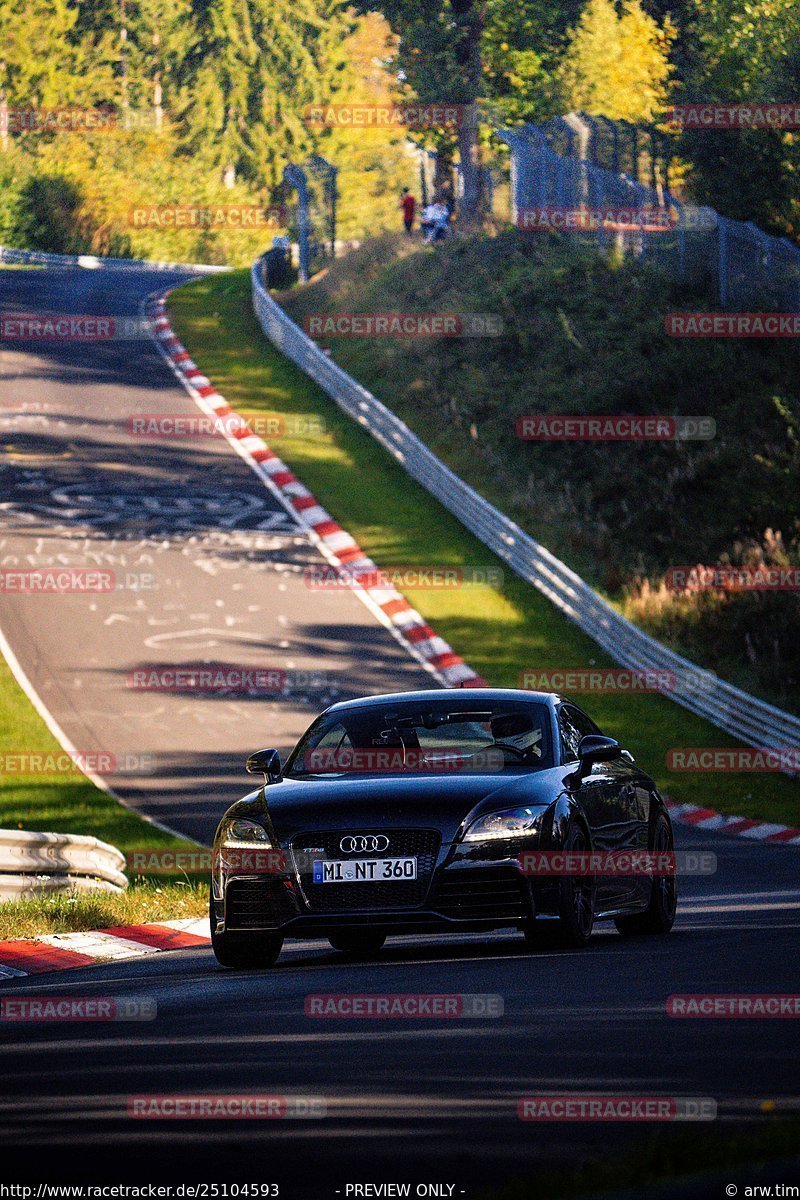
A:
745	827
336	544
61	951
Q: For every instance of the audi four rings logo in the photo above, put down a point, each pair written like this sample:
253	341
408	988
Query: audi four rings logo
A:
372	843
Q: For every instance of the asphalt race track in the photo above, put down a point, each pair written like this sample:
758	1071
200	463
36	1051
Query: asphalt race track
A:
208	566
423	1100
418	1100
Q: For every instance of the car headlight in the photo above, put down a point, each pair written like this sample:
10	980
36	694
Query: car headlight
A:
239	834
515	822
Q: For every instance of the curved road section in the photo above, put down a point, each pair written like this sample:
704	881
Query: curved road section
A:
361	1099
154	592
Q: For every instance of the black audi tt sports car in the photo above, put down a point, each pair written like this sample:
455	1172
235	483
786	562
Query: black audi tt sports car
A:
441	811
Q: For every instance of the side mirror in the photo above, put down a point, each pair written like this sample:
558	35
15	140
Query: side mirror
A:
266	763
594	748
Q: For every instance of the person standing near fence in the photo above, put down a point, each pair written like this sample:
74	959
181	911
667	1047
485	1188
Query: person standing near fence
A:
409	206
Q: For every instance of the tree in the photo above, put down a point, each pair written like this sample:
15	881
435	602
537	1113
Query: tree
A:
440	59
254	67
46	61
617	63
522	47
745	53
376	162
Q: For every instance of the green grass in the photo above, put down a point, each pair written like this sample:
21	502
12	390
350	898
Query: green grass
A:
70	803
499	631
582	334
71	912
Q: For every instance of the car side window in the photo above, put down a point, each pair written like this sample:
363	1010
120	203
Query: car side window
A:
581	722
574	725
322	754
570	736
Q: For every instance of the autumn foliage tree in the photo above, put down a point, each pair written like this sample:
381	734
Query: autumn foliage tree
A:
617	62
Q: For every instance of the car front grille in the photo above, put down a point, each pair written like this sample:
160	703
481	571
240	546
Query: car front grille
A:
477	893
257	904
422	844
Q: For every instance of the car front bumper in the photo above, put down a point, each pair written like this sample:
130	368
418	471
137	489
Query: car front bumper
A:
473	886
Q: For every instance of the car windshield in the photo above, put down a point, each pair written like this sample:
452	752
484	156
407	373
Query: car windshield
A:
426	738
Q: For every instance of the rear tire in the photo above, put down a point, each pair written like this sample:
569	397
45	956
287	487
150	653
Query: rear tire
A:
244	951
659	915
357	943
576	894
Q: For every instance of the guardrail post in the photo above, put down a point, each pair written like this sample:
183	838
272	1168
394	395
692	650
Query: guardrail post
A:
296	178
722	226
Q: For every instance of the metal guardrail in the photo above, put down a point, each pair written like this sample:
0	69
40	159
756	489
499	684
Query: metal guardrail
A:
91	261
31	863
750	720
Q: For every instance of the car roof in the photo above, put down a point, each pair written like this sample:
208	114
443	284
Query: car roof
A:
456	695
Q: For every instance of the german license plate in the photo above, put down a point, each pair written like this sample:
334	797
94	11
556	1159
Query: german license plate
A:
366	870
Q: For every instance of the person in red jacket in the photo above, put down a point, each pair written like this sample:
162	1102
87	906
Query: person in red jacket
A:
408	204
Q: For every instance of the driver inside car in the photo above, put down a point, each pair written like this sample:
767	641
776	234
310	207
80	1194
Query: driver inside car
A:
517	732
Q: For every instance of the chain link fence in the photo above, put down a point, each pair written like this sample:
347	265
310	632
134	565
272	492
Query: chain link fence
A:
556	174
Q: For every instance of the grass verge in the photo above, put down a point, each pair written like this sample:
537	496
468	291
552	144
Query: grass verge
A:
500	630
585	334
69	803
71	912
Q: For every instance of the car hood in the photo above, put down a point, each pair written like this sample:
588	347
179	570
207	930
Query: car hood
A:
292	807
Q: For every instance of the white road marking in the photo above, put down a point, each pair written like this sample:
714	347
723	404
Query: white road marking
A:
100	945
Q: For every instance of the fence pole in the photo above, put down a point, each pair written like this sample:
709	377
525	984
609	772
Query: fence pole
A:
296	178
723	261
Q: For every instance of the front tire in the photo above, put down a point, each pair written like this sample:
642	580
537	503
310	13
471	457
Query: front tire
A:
659	915
240	951
358	943
576	895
